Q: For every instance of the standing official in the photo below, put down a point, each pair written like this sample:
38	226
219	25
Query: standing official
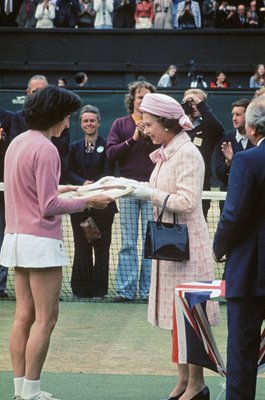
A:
240	236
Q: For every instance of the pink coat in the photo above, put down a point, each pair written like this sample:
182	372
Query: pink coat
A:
181	174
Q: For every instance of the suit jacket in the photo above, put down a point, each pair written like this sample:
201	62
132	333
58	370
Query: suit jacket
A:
241	230
79	170
206	133
222	170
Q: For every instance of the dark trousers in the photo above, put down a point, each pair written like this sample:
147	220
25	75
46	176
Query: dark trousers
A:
245	317
91	260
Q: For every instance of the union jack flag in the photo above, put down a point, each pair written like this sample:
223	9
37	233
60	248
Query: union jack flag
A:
193	341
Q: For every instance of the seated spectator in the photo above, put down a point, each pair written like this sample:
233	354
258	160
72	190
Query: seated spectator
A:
258	79
67	13
225	14
9	11
220	81
188	15
252	15
144	14
169	78
26	14
61	81
208	13
45	14
123	14
87	15
81	79
104	9
163	10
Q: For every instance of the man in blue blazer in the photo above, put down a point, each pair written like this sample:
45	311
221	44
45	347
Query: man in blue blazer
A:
240	236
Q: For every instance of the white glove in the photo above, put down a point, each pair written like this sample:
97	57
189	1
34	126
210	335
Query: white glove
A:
142	193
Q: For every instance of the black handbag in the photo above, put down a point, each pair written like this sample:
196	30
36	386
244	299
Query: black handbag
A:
165	240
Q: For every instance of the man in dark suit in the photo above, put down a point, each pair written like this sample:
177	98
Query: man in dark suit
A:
8	12
207	131
240	236
19	125
231	142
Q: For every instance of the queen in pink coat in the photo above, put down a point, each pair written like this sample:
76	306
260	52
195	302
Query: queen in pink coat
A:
179	171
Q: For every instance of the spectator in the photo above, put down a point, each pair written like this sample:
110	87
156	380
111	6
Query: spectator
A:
144	14
19	124
45	14
8	12
123	14
188	15
258	79
61	81
33	242
68	12
163	10
225	14
5	119
240	237
209	13
241	21
81	79
261	12
169	78
252	15
104	9
127	146
232	142
179	173
88	163
87	15
220	81
206	133
26	14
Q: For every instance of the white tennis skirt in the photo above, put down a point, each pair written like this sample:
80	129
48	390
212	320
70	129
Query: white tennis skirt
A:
29	251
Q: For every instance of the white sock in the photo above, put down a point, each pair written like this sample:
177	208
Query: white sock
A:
30	388
18	384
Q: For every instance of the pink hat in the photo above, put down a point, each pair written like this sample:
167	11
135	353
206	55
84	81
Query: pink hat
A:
165	106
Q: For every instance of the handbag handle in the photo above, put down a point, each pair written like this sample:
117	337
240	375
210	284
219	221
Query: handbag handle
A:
159	219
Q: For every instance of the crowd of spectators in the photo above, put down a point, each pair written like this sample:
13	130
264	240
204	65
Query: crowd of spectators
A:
138	14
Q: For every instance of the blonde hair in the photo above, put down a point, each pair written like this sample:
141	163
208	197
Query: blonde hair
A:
196	91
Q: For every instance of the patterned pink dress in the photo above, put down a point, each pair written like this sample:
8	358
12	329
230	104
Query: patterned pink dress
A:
181	174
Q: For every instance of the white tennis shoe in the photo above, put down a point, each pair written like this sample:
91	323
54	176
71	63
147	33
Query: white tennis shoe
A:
42	396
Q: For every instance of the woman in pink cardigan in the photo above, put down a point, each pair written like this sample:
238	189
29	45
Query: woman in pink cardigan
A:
33	237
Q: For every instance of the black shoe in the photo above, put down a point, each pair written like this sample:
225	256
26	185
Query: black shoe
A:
174	397
3	295
204	394
120	299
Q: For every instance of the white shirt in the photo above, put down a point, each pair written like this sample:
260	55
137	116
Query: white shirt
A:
242	138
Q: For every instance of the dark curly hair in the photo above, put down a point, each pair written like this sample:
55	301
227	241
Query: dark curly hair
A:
133	87
46	107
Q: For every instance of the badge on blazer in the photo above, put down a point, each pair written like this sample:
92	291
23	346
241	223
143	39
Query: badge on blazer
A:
100	149
197	141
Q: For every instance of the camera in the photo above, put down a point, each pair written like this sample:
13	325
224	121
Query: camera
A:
187	107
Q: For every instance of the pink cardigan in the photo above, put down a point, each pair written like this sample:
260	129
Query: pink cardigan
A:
32	172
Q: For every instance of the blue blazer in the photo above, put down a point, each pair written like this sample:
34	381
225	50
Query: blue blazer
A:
240	233
77	169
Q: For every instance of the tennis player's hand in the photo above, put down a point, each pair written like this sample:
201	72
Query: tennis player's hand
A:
67	188
99	201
